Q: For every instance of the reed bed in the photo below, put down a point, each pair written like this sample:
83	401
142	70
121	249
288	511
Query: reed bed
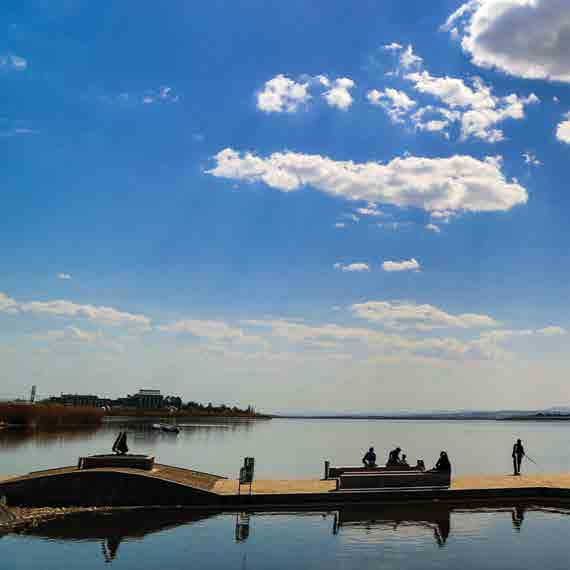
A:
48	416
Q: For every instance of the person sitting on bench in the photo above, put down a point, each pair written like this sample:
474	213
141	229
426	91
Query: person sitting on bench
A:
369	458
443	463
394	458
404	461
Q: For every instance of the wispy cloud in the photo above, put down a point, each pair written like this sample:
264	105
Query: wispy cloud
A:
11	62
433	228
70	310
160	95
406	265
217	331
64	276
352	267
530	159
421	317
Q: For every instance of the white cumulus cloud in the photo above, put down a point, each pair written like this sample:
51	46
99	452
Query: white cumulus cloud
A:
282	94
406	265
454	184
563	130
338	92
396	103
524	38
63	276
475	106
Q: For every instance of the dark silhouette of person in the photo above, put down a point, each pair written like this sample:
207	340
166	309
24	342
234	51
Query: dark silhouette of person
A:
517	515
443	463
394	457
404	461
120	446
110	546
441	530
369	458
518	454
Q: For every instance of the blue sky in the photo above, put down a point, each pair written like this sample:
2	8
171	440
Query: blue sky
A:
305	206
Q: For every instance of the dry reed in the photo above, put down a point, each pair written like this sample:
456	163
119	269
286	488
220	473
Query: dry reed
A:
48	416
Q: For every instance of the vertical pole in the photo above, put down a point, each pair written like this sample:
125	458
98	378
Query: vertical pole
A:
327	466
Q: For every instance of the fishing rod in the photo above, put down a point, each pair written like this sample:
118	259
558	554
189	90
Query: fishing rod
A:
531	459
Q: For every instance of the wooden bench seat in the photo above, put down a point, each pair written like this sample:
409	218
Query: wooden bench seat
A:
338	471
394	479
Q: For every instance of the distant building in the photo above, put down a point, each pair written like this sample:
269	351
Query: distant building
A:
144	399
83	400
149	399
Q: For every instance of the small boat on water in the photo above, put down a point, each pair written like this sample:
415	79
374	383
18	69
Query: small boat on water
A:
171	428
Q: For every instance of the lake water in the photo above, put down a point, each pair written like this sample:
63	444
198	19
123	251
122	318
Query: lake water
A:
297	448
389	537
501	539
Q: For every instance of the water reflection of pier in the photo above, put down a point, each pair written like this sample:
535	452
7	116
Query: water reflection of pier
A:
394	517
435	517
112	528
369	523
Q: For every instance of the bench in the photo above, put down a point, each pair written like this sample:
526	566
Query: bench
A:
390	479
338	471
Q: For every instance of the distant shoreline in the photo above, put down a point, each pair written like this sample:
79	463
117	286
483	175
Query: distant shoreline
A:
146	414
423	417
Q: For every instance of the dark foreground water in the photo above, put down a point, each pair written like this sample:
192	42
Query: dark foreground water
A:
406	537
395	538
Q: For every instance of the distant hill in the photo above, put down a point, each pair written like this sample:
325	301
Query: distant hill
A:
555	412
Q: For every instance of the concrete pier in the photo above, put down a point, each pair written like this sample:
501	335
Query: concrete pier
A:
168	486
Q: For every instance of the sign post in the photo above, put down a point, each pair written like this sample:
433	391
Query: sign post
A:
246	473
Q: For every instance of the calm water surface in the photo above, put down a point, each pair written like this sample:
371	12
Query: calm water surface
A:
409	538
404	537
297	448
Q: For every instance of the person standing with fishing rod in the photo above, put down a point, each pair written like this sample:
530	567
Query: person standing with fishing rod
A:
518	454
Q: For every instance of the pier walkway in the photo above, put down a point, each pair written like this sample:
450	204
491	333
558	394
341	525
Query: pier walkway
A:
167	485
